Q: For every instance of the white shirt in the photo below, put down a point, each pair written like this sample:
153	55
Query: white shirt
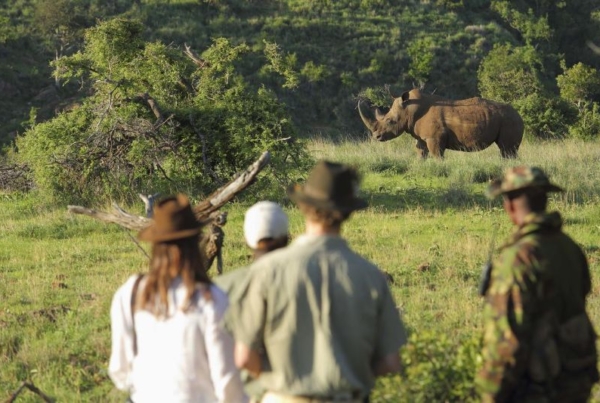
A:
186	357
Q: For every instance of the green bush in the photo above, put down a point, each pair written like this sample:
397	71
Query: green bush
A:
510	73
587	126
546	117
157	121
435	369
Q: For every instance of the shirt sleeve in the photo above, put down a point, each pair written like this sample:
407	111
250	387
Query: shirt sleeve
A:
121	357
391	334
249	311
219	347
509	312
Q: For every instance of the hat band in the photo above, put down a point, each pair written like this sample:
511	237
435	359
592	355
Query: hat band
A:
314	193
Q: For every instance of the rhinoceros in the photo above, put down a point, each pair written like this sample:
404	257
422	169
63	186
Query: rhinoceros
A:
439	124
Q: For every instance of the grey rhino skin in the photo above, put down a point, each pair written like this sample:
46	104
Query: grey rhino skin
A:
439	124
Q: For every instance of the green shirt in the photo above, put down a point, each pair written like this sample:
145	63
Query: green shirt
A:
324	314
539	281
233	283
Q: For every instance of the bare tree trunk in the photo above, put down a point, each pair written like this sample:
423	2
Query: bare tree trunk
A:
207	210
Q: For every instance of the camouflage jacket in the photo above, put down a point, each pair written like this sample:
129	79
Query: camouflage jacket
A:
536	329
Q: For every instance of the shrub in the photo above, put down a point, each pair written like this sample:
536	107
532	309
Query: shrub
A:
156	120
545	117
510	73
436	368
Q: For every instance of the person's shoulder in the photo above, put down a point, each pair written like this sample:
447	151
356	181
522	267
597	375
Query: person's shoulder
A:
127	286
364	263
270	260
229	280
122	295
518	260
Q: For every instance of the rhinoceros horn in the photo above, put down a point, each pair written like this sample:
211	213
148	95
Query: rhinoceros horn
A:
370	123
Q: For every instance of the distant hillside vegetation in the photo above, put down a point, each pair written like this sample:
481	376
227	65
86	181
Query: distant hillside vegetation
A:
340	48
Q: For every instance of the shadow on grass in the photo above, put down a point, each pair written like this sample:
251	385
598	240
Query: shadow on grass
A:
429	199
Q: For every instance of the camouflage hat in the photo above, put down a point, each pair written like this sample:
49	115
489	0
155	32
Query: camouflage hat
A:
518	178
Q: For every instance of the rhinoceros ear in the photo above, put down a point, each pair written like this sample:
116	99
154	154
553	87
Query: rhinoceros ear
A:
405	95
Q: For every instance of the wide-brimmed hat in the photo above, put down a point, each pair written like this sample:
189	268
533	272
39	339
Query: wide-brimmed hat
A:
173	219
519	178
264	220
330	186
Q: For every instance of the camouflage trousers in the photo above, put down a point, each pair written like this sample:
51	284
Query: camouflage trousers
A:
562	390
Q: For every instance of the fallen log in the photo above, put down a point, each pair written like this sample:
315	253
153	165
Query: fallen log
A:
207	210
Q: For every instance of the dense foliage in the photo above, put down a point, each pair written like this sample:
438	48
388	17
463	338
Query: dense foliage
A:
156	120
340	48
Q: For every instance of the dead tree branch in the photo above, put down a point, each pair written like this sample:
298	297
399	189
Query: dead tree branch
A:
227	192
595	48
195	58
34	389
206	210
153	106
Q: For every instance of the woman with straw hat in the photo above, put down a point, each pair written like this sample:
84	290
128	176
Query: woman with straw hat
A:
168	342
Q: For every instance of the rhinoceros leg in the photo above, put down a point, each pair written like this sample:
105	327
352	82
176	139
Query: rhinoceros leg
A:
422	150
436	149
508	150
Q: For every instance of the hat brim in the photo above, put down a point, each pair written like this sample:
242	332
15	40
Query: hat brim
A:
495	189
149	234
296	194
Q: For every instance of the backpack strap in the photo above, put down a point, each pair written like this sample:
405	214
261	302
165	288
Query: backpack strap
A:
133	300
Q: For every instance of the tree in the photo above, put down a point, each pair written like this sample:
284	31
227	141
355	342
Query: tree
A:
580	85
509	73
158	120
513	75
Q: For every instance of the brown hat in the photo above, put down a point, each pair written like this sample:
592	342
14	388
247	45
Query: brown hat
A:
173	219
330	186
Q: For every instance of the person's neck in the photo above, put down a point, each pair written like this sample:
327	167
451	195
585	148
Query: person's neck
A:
259	253
317	228
520	215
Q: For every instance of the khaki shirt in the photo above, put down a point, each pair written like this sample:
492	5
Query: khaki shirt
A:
233	283
324	314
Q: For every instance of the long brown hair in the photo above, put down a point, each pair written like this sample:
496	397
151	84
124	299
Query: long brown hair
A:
181	257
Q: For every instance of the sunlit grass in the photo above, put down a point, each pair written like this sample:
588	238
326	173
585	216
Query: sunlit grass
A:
428	225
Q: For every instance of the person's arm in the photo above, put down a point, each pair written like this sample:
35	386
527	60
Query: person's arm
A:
509	313
121	357
249	312
391	335
248	359
389	364
220	351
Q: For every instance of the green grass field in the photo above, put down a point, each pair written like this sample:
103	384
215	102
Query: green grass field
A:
428	225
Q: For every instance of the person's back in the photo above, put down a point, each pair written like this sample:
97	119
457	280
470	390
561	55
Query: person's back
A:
171	361
324	314
539	344
168	342
326	310
266	228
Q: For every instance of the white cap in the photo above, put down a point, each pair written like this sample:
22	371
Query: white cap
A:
264	220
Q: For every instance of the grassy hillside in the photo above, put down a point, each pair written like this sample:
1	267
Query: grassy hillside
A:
341	47
428	225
